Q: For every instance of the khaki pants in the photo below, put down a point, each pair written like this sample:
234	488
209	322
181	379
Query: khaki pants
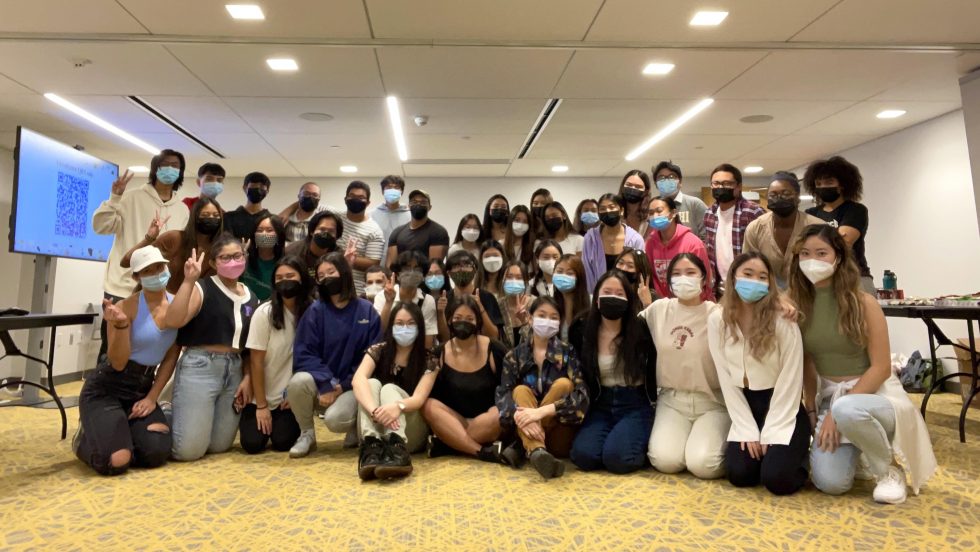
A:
411	426
558	437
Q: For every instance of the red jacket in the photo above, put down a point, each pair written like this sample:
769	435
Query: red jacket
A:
683	241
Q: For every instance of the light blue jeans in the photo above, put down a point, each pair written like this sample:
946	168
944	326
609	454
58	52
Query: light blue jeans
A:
204	419
868	421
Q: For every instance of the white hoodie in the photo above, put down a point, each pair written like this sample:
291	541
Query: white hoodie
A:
128	216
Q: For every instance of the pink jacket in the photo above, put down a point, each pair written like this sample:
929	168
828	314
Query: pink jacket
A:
684	241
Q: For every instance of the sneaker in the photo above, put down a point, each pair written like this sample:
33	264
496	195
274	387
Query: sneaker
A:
305	444
863	471
437	448
397	462
352	439
492	453
372	450
891	488
546	464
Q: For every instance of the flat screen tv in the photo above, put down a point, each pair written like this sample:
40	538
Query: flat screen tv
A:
56	190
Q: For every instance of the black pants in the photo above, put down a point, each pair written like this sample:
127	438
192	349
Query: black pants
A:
104	405
285	431
104	330
781	469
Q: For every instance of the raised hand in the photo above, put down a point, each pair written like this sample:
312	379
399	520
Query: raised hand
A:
442	302
119	186
113	314
156	226
390	289
350	252
522	302
644	292
192	268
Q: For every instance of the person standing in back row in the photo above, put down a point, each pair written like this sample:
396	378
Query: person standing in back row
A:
241	222
421	234
297	215
392	213
690	209
361	233
725	222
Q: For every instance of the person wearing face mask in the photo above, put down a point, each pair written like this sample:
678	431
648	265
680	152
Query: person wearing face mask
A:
405	286
361	231
604	243
558	228
690	209
618	363
375	279
461	409
211	182
202	228
323	229
857	405
571	292
266	247
435	281
270	359
297	215
774	233
241	222
542	393
634	189
392	213
491	261
391	385
691	424
836	185
539	199
212	384
120	422
758	355
128	213
668	238
495	216
330	342
725	222
586	216
546	255
421	234
519	242
461	267
469	235
513	303
633	263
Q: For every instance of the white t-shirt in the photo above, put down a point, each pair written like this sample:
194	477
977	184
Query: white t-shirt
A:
680	334
572	243
278	347
428	308
724	250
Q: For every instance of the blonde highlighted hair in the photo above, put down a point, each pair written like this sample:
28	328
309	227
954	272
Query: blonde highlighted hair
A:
762	335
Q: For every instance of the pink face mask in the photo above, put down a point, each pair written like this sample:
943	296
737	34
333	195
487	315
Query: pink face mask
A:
231	269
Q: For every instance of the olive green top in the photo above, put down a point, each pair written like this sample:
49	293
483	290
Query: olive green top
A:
834	354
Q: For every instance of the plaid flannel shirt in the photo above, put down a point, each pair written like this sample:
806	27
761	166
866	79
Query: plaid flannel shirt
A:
745	212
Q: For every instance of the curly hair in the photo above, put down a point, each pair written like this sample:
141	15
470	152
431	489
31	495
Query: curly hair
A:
846	173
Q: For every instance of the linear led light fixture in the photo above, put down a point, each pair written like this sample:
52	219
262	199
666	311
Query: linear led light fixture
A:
245	11
394	115
667	130
547	113
102	123
163	118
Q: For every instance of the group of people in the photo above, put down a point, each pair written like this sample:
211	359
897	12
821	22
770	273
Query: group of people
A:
647	328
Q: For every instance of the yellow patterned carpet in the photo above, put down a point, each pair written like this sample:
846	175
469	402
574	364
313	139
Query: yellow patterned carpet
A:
232	501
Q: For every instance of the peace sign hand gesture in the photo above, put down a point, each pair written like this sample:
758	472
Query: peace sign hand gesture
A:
192	268
522	315
119	186
156	226
350	252
644	292
389	290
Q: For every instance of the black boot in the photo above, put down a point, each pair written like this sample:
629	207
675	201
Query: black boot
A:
372	452
437	448
396	461
546	464
492	453
514	455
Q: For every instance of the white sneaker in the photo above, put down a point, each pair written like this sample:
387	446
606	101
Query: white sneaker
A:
891	488
305	444
863	470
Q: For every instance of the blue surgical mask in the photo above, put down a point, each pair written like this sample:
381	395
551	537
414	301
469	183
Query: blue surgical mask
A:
157	282
751	290
589	218
435	282
405	335
392	195
513	287
167	175
659	223
212	189
563	282
668	186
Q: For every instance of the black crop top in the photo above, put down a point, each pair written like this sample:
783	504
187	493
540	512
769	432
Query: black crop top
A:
223	319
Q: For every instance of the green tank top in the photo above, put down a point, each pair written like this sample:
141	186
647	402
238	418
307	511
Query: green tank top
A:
834	354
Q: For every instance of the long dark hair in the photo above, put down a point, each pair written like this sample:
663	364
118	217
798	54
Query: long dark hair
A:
347	290
408	377
566	224
630	356
487	222
189	239
277	251
491	243
580	294
462	224
526	241
577	223
304	298
542	245
697	262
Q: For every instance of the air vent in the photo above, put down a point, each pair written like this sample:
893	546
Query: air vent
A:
145	106
550	107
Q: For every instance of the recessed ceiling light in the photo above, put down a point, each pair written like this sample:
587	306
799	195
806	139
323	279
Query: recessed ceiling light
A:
102	123
756	119
282	64
395	118
348	169
752	169
658	68
559	168
245	11
891	113
674	125
139	169
316	117
708	18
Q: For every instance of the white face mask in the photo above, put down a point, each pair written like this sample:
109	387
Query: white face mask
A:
817	271
685	287
470	234
547	266
493	264
519	228
544	327
371	290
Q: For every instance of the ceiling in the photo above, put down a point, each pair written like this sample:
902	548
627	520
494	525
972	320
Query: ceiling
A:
482	73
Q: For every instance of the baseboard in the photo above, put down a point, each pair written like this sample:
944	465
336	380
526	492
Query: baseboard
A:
58	380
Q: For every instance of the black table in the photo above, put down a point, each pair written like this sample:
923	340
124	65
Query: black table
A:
33	321
937	339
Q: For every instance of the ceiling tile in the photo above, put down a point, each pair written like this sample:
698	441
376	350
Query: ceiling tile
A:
199	114
691	168
355	149
800	146
59	16
455	170
579	167
723	116
467	117
897	22
282	115
453	146
615	116
861	118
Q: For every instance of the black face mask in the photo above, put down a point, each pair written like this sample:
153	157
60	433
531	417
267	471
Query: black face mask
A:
255	195
538	212
419	212
288	288
308	204
610	219
631	277
329	286
207	226
325	240
723	195
613	307
828	195
463	330
632	195
356	206
782	207
499	215
553	224
464	278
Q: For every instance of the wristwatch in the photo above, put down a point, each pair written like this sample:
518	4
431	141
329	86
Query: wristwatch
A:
401	406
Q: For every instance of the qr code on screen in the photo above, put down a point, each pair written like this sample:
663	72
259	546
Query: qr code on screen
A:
72	206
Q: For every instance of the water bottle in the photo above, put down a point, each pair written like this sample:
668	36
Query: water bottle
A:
889	281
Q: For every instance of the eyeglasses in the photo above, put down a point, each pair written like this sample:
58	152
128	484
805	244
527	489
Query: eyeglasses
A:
723	183
230	258
664	178
790	196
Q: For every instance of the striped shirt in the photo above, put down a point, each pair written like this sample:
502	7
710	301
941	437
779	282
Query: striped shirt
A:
370	243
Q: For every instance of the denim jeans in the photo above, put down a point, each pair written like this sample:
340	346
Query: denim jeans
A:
615	431
690	431
204	418
868	421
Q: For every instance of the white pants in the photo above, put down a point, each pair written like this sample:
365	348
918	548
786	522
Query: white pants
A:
690	431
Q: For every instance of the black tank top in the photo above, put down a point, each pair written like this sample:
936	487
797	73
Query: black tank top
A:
468	393
223	319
